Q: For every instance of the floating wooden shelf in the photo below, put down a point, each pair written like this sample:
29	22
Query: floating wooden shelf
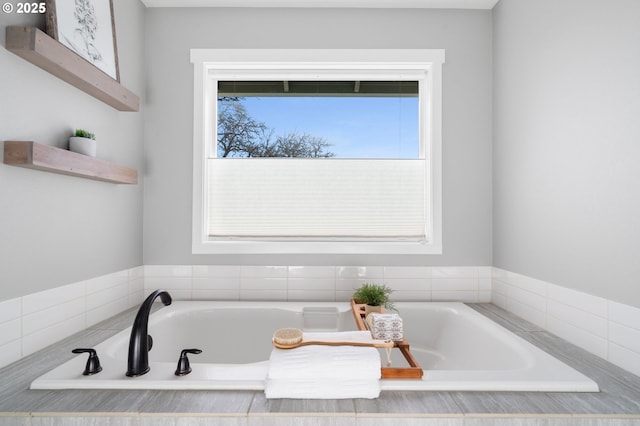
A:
50	159
413	371
38	48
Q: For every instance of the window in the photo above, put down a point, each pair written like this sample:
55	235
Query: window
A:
330	194
318	119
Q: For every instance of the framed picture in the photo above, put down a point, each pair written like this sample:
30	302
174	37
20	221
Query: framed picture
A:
86	27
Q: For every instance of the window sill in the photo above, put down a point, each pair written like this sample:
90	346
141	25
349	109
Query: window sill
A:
315	247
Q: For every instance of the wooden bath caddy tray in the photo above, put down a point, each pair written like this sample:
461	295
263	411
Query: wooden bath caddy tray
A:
414	371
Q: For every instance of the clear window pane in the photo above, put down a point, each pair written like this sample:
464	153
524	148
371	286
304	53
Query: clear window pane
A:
318	119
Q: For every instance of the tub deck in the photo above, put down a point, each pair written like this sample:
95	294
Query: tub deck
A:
458	349
618	402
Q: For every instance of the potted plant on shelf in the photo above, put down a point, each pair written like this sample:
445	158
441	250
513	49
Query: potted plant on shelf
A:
83	142
374	297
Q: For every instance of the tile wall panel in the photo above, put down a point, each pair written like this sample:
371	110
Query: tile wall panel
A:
318	283
136	286
34	321
624	336
608	329
51	315
10	331
51	334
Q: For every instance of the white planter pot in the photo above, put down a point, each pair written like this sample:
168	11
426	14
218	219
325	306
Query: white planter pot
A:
84	146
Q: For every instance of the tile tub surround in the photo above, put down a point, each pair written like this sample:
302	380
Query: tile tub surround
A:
605	328
470	284
31	322
34	321
617	404
608	329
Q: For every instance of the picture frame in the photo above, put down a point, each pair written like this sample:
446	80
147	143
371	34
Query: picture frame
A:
87	27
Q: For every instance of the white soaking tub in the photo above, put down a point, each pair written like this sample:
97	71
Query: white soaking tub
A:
458	349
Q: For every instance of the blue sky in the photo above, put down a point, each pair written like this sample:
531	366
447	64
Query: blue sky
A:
367	127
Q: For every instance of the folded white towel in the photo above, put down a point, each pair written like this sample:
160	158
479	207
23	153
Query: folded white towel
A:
328	362
329	372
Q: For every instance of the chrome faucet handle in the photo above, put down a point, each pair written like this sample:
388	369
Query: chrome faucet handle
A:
183	363
93	363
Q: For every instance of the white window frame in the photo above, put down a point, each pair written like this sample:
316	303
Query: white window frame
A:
424	65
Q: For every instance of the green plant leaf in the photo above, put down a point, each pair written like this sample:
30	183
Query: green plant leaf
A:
374	294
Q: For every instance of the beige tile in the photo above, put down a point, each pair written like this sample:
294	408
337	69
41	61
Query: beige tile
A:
408	402
15	420
408	420
231	402
193	421
301	420
71	420
262	405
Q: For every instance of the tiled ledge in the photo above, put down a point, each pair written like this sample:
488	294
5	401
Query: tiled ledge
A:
605	328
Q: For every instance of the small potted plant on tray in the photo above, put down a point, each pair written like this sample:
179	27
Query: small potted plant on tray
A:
83	142
374	297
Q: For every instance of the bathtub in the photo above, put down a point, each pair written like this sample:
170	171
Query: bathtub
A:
458	349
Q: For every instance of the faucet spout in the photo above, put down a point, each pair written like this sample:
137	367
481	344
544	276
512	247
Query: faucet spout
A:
138	363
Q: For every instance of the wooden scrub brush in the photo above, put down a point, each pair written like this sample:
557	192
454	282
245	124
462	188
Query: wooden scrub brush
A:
289	338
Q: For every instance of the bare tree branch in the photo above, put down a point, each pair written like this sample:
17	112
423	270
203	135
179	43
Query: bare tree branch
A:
239	135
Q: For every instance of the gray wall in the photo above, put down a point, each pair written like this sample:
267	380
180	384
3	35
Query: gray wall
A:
566	102
567	142
466	36
57	229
